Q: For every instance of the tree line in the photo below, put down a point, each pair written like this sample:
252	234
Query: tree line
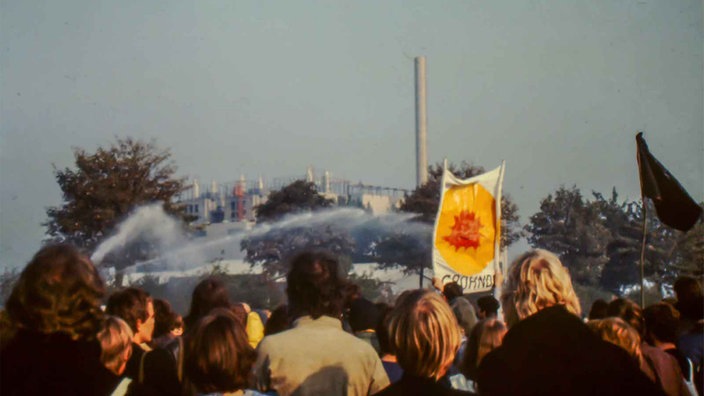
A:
597	237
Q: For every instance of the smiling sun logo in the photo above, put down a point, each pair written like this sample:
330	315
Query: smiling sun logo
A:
467	228
465	231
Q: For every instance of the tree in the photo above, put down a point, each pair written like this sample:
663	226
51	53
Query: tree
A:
299	196
105	186
572	228
272	248
425	199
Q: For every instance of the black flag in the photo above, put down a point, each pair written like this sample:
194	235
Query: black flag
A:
672	203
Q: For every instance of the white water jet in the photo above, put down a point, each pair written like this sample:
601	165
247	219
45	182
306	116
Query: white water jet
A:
145	222
177	252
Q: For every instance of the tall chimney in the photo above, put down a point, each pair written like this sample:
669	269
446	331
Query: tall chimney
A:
421	124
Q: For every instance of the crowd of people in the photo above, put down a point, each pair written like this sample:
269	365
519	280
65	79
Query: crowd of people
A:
61	335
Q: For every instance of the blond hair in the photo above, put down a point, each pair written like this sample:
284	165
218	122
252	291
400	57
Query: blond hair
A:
619	333
115	338
424	334
537	280
492	335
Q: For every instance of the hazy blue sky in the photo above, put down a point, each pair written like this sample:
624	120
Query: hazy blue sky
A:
556	88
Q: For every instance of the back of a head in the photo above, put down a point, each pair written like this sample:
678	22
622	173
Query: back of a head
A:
598	309
690	299
129	305
464	313
278	321
209	294
115	339
618	332
661	322
164	318
490	337
537	280
364	315
218	355
489	305
314	286
424	334
59	291
452	290
627	310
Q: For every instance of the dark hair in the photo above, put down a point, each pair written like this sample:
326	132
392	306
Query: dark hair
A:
59	291
165	319
364	315
452	290
314	286
382	331
690	301
210	293
488	304
598	309
278	321
129	305
627	310
661	321
218	354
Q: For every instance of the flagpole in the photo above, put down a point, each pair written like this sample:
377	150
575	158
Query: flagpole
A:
642	253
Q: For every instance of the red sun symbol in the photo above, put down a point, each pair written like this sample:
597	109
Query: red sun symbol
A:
465	231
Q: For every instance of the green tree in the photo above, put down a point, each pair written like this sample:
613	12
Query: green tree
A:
297	197
105	186
272	248
572	228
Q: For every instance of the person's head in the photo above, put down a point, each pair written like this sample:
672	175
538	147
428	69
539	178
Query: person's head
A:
618	332
59	291
424	334
690	299
382	330
488	307
627	310
314	285
363	315
115	339
491	335
452	290
218	355
135	307
164	318
278	321
465	314
537	280
598	309
485	337
661	323
240	312
209	294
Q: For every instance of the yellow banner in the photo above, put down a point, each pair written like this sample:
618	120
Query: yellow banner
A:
468	229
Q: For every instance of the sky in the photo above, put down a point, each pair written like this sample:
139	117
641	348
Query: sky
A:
558	89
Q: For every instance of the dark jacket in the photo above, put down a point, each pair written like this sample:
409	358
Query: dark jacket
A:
160	376
411	385
553	353
54	364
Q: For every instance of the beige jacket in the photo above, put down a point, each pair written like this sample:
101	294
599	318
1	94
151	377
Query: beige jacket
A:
317	357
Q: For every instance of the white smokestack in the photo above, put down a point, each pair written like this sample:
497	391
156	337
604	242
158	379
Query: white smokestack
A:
196	189
421	124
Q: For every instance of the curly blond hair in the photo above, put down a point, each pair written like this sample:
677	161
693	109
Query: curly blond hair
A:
537	280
